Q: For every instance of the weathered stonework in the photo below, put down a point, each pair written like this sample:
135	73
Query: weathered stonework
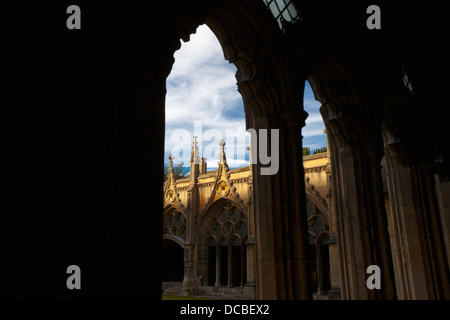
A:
85	117
227	188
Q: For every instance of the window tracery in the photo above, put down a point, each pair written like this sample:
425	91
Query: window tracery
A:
226	242
229	223
175	224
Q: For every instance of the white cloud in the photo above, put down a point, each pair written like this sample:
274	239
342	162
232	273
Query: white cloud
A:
312	132
202	92
313	125
202	87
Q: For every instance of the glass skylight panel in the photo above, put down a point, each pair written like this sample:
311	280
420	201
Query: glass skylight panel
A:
283	11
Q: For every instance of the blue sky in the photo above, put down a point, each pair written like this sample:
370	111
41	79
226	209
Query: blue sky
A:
202	100
312	132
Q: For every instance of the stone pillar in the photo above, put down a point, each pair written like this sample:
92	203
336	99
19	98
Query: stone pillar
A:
319	268
202	262
442	188
410	269
250	266
192	210
424	189
86	147
189	281
335	280
230	265
283	267
294	202
361	221
203	166
218	266
422	265
243	253
250	285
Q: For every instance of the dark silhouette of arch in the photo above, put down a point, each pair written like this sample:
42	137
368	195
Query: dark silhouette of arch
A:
173	261
86	124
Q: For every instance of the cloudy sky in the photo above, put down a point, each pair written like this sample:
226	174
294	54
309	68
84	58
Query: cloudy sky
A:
202	100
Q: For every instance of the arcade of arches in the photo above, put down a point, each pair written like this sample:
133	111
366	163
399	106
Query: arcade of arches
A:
209	227
85	122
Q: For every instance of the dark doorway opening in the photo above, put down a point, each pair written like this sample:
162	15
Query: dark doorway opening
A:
173	261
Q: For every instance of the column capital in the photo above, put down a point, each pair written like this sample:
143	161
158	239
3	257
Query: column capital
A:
294	118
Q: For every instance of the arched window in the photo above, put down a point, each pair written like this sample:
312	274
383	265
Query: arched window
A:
318	227
226	243
173	261
175	224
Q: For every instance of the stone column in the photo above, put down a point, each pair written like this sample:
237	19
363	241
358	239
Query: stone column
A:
202	262
189	281
243	264
361	221
218	262
230	265
431	224
192	210
249	266
319	268
442	187
250	285
335	280
283	267
294	206
422	266
85	145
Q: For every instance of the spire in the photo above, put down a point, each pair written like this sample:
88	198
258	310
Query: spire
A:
194	155
195	162
222	158
171	170
203	166
222	152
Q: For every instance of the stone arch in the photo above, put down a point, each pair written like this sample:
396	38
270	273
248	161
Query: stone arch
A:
119	83
353	128
314	197
251	40
173	259
319	231
371	122
222	224
208	215
180	241
272	97
174	224
410	173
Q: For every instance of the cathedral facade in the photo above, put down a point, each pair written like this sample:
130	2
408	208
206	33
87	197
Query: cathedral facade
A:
209	233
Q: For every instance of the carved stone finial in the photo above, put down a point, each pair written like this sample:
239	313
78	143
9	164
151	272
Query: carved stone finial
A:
195	155
222	159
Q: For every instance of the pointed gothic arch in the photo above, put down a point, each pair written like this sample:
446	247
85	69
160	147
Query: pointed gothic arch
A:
173	259
224	230
110	131
251	39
